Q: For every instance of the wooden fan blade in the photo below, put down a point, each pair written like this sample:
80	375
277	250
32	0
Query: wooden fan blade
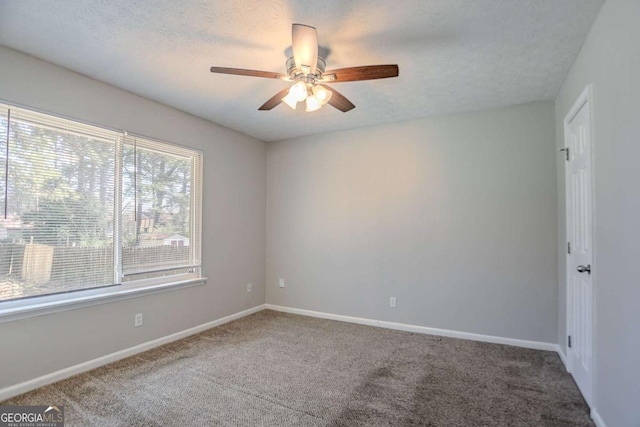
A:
366	72
251	73
304	43
274	101
338	100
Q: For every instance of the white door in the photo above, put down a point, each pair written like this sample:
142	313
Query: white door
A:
579	244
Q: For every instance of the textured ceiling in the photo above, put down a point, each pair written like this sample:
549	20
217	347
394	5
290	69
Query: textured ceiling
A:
454	55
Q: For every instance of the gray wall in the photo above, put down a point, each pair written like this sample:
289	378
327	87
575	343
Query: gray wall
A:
453	215
233	225
610	60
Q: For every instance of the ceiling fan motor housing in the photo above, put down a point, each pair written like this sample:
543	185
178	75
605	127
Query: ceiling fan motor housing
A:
297	74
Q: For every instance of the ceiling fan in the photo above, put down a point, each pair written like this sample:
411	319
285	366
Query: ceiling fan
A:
307	70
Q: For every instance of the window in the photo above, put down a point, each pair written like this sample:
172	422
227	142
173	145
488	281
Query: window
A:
84	207
157	210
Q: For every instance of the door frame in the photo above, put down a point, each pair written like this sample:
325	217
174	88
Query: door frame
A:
585	97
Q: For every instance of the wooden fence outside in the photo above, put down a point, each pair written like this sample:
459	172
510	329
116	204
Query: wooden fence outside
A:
39	263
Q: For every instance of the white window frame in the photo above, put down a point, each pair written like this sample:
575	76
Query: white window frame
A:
16	309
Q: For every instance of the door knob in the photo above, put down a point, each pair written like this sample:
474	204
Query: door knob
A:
583	269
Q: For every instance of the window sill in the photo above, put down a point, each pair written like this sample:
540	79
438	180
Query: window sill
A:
49	304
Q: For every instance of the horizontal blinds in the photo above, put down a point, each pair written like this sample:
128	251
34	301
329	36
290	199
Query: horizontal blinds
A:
160	234
156	146
58	232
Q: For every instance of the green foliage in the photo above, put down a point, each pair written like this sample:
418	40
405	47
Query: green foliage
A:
60	185
71	221
156	191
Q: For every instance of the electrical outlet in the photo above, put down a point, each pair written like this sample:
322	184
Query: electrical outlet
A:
282	283
249	287
137	321
392	302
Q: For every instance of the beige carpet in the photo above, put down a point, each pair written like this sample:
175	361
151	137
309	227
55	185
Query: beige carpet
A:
275	369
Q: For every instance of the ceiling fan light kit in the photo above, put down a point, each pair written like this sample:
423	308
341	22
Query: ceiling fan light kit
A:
297	93
307	70
322	94
312	104
314	96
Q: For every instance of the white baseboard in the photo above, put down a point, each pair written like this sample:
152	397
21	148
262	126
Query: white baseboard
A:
563	356
595	416
536	345
17	389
